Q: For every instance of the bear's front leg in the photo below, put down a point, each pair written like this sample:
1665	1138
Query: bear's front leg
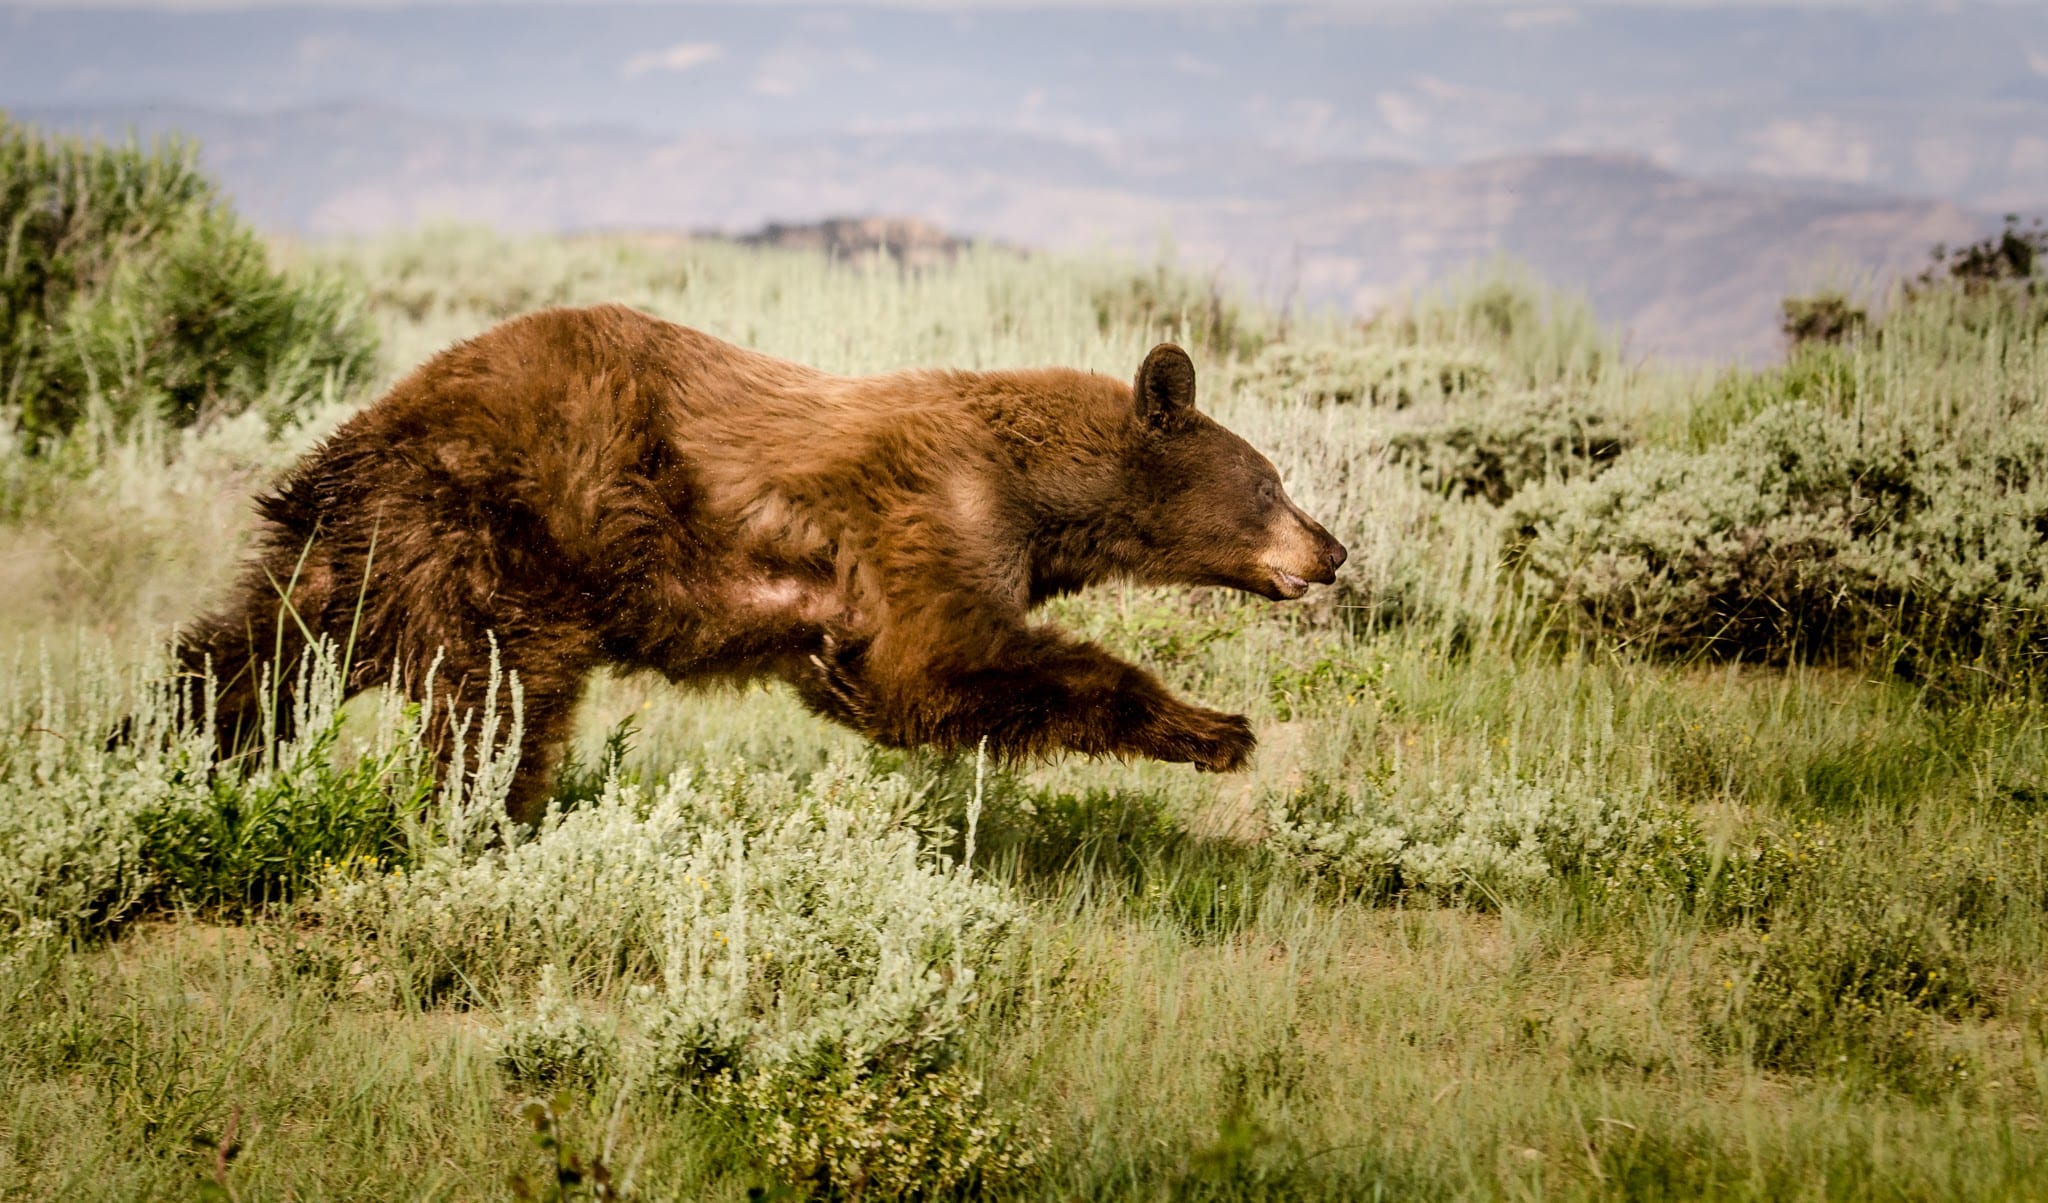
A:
1027	692
1214	741
1106	706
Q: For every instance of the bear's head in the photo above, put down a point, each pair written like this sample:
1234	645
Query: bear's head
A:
1208	508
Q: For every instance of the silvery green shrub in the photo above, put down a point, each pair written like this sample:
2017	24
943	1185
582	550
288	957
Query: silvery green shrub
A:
898	1133
1483	842
663	880
788	950
1808	533
1347	372
112	800
1493	450
558	1042
75	812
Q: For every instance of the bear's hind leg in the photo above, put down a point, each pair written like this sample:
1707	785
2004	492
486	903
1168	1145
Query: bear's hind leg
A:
253	648
551	666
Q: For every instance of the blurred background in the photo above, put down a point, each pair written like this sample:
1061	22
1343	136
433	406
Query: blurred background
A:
1682	166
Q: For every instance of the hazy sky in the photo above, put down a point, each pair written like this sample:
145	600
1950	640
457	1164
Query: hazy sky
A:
1912	97
1361	144
943	5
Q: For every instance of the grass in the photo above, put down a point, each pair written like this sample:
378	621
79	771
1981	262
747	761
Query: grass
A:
1798	952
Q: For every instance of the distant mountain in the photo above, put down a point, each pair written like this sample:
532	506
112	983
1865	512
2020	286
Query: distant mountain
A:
1691	268
907	241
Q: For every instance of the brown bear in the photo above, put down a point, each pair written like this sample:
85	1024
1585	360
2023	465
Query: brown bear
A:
590	487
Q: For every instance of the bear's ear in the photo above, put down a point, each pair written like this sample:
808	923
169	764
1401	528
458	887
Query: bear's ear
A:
1165	386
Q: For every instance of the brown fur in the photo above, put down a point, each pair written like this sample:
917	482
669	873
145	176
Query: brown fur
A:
596	486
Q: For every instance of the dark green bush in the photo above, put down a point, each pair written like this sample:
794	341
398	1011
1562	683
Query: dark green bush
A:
1825	317
2015	256
128	288
1994	288
267	837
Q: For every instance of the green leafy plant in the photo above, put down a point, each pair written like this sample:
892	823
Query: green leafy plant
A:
1854	986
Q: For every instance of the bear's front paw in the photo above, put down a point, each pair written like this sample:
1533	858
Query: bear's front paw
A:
1211	740
1228	746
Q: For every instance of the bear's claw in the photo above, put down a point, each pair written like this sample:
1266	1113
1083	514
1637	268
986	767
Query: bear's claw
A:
839	687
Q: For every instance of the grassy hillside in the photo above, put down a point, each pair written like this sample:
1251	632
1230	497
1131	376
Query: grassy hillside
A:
1654	811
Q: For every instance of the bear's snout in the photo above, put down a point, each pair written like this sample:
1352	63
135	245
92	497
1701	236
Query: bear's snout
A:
1299	552
1334	555
1329	554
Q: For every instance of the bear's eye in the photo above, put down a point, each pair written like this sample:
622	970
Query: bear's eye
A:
1266	491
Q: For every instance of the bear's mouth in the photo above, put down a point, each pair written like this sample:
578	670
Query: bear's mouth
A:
1286	585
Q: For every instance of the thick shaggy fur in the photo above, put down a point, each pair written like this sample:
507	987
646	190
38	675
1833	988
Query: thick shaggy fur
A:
596	486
